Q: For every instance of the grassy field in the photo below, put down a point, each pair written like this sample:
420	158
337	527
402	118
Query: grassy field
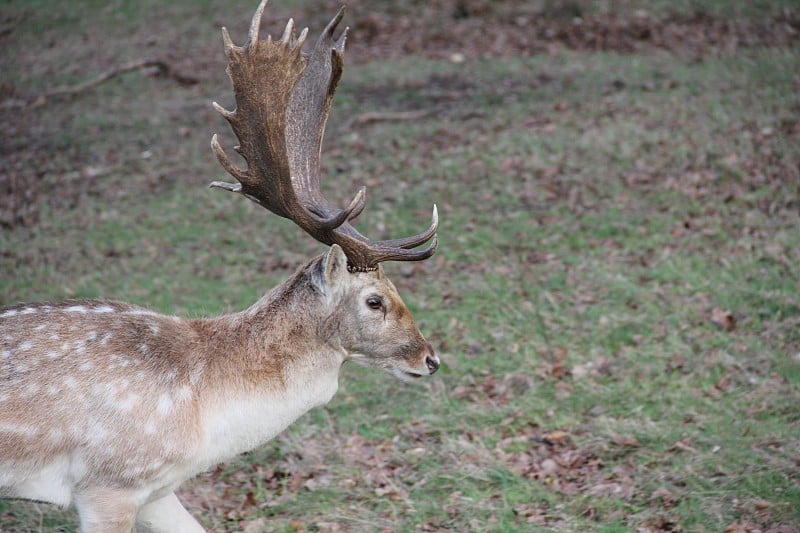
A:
616	298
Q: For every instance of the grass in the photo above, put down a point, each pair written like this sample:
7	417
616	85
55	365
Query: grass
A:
596	209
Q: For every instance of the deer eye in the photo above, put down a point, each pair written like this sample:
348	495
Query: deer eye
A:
375	303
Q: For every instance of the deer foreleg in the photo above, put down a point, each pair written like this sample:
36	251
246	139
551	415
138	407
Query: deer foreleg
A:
105	511
166	515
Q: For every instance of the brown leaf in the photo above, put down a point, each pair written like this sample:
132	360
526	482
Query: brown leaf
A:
610	488
531	513
677	362
668	500
549	467
625	441
556	437
683	445
559	370
249	500
762	504
723	319
723	383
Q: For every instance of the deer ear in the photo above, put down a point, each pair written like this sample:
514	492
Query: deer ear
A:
334	265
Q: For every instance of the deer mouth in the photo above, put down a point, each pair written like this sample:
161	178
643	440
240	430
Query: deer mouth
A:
412	375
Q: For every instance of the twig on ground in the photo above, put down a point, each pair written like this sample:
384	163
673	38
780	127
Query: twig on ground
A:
162	69
370	118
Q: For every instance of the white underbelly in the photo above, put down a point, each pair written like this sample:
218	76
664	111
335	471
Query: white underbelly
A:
51	483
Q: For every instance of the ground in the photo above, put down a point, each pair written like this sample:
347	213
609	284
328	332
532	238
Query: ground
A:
615	298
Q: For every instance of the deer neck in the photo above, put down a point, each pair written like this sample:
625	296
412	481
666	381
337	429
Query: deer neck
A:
270	366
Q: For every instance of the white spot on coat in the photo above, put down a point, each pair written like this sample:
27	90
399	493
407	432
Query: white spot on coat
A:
18	429
141	312
97	433
183	394
165	404
128	402
76	309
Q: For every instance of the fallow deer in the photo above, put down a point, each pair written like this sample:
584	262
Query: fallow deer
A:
109	407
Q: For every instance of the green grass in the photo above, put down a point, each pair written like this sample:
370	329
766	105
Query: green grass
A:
588	231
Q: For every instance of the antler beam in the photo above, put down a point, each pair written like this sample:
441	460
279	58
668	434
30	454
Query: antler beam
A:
283	99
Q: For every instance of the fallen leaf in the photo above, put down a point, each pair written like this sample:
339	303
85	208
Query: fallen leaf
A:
558	370
625	441
531	513
555	437
607	489
723	383
677	362
683	445
548	467
249	500
668	500
762	504
723	319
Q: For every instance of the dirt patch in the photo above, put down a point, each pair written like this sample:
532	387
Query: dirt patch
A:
462	28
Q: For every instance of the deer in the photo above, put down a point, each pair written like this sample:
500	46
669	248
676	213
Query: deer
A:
107	407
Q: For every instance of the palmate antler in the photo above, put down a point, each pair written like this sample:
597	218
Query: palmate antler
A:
283	98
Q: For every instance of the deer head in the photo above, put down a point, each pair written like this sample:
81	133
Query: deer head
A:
363	315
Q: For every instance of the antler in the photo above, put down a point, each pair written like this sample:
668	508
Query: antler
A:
283	98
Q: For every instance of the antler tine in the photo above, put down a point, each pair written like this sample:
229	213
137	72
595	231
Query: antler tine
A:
302	38
255	24
283	99
352	211
223	159
288	32
331	27
415	240
226	39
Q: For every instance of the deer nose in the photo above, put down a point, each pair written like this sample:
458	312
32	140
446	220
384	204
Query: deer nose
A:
431	361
